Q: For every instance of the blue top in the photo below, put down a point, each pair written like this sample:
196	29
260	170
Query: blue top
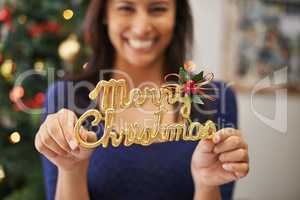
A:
159	171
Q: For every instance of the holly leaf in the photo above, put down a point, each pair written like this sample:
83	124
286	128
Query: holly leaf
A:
184	74
198	77
197	99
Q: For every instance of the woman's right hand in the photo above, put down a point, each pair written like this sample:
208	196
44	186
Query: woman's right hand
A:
56	141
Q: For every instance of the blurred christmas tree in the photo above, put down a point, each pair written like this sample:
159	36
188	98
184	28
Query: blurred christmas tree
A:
37	39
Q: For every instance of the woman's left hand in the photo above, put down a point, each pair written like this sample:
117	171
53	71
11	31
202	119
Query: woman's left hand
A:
220	160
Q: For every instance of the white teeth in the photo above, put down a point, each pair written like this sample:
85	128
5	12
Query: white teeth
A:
140	44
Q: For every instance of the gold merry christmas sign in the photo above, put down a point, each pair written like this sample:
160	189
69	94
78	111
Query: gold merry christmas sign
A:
115	96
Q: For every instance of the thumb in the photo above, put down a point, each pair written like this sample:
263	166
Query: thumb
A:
91	137
206	146
88	136
203	155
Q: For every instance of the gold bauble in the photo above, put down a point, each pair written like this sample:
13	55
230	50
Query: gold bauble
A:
69	48
7	69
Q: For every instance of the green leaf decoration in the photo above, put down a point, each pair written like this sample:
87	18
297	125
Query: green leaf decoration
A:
184	74
198	77
197	99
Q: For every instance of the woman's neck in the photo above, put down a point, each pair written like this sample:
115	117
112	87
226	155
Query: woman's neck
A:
139	76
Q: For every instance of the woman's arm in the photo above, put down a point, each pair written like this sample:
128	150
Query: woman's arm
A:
211	193
65	162
223	159
72	184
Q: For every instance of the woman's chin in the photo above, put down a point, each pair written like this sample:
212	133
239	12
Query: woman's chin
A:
141	63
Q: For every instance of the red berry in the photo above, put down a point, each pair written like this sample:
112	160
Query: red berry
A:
190	83
194	90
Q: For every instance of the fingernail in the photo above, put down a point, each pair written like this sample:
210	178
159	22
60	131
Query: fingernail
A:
217	139
73	144
227	167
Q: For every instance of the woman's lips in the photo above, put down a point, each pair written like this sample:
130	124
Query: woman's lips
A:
141	45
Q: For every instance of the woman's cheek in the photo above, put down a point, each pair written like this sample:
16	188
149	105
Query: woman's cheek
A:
166	28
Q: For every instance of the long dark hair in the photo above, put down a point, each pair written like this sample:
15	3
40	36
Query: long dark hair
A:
103	52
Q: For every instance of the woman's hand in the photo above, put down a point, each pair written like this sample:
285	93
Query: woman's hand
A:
221	160
56	140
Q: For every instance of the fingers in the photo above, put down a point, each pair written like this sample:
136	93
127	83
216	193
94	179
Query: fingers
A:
224	133
55	136
54	130
230	143
87	136
91	136
45	144
67	120
239	155
233	151
203	155
239	169
43	148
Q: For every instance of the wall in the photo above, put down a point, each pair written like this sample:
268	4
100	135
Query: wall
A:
274	156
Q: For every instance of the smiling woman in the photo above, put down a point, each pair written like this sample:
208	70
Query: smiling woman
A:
140	32
140	41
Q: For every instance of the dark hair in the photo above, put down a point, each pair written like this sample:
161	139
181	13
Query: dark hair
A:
103	53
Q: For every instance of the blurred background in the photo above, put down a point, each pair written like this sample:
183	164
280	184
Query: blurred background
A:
241	41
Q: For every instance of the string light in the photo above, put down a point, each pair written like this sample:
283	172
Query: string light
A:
22	19
39	66
15	137
2	173
68	14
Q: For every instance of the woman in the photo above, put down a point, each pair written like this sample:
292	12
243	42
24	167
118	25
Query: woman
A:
144	39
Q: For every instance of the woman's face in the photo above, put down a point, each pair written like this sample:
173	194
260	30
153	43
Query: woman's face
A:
140	30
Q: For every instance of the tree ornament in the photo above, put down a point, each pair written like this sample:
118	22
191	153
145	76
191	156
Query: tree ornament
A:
16	93
69	49
5	15
7	69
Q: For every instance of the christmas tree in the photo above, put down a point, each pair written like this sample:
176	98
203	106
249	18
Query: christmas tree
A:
38	40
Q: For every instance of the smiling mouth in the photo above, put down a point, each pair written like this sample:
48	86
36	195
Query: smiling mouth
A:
141	45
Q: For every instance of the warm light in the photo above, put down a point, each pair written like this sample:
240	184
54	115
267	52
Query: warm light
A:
7	68
22	19
16	93
68	14
2	173
39	66
69	48
15	137
85	66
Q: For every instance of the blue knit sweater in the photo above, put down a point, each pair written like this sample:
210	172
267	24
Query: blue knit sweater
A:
159	171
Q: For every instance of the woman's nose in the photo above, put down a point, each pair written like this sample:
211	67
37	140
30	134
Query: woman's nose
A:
141	25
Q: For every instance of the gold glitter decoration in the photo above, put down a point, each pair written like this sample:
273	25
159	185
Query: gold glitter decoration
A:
115	96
